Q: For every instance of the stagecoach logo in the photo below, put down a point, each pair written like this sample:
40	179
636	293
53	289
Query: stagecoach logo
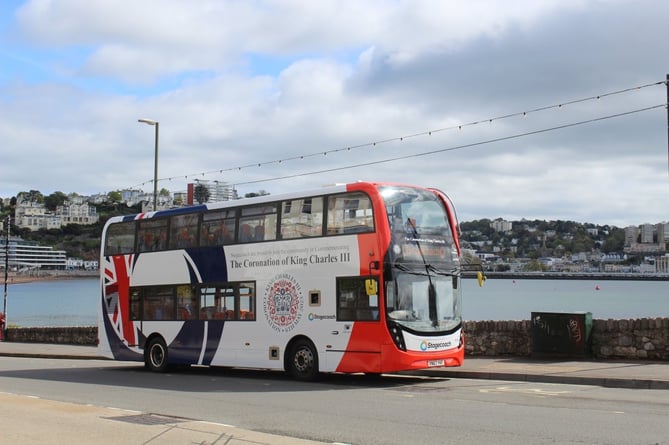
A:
283	303
428	345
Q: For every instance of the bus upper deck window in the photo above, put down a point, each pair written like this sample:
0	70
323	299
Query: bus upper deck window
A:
120	238
350	213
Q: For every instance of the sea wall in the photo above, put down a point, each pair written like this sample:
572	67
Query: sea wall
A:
84	336
495	338
644	338
636	339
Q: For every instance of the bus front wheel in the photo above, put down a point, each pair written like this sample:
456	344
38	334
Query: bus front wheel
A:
155	357
303	361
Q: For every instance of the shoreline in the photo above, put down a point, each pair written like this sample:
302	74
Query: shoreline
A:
14	278
610	276
58	275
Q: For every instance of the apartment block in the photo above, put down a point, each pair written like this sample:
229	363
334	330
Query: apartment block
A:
26	255
36	216
500	225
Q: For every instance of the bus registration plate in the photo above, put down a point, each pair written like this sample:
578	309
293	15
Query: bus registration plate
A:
433	363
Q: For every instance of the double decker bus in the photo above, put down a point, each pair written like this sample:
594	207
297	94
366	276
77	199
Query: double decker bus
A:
355	278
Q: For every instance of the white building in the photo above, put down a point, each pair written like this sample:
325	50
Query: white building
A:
218	191
81	264
661	231
647	232
500	225
134	196
631	235
27	255
77	211
651	239
34	216
662	264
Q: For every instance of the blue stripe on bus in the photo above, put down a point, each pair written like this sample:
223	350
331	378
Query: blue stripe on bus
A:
210	263
119	349
187	345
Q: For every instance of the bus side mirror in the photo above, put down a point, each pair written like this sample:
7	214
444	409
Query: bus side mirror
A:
480	278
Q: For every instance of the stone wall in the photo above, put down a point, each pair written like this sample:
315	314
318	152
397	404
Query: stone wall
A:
85	336
638	339
643	338
494	338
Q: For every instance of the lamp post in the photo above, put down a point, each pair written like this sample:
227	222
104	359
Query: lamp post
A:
3	315
155	162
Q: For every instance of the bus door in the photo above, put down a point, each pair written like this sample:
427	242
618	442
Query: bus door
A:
359	307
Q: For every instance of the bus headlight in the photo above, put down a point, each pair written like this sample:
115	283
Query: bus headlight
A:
397	336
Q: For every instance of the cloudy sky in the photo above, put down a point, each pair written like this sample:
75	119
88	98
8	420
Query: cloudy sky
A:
524	109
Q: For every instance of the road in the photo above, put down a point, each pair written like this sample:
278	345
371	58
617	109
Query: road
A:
356	409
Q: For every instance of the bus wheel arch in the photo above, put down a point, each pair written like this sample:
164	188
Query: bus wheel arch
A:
156	354
301	359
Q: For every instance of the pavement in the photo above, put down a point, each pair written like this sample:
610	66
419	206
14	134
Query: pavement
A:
111	425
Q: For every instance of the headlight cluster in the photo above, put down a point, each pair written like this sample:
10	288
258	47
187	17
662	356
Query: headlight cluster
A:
396	334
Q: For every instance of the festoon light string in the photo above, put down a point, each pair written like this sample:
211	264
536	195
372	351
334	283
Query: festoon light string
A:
429	133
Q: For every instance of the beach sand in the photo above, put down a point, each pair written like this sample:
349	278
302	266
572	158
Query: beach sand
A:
14	278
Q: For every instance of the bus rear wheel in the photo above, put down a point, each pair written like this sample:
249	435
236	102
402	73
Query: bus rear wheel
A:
303	361
155	356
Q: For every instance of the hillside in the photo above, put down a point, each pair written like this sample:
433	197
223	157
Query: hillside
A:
531	239
78	241
539	238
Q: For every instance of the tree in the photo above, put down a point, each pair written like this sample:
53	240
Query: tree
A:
502	268
535	266
615	242
31	196
54	200
470	258
254	194
114	196
73	229
201	194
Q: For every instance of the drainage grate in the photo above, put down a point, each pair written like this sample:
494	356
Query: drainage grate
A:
419	388
149	419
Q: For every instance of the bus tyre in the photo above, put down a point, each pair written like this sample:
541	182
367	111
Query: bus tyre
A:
155	357
303	361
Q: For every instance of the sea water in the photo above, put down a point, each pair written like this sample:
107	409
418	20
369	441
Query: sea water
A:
53	303
74	302
507	299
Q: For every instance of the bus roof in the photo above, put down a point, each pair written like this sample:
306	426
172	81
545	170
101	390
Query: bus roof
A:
326	190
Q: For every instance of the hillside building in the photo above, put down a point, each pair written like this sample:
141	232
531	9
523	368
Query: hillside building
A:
218	191
500	225
28	255
36	216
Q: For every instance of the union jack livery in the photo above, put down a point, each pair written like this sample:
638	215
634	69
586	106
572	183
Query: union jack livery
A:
363	277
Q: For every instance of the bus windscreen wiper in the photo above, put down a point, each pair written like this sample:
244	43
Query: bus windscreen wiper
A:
401	267
442	272
431	290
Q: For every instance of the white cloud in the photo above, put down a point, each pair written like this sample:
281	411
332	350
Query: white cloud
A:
242	83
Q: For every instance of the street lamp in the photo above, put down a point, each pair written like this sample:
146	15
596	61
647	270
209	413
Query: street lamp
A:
155	162
3	315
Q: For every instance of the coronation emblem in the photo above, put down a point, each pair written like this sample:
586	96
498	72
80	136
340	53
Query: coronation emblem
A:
283	303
